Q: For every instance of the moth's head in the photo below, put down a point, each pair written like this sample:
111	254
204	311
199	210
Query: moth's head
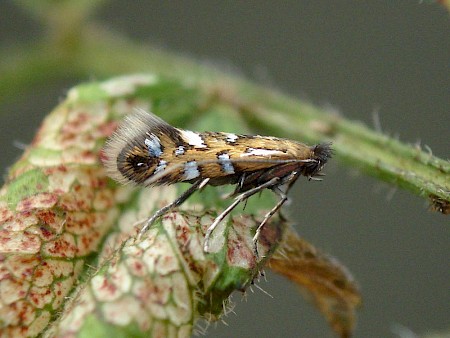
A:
320	155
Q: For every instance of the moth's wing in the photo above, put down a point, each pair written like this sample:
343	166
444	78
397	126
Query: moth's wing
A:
136	141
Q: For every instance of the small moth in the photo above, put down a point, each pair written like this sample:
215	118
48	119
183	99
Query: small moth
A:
145	150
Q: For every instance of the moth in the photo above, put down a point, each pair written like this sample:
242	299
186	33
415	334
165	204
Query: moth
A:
147	151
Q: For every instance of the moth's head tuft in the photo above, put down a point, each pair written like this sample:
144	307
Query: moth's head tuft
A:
320	155
323	152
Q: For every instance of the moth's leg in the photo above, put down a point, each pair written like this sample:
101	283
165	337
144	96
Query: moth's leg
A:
283	198
242	197
239	185
272	212
203	183
180	200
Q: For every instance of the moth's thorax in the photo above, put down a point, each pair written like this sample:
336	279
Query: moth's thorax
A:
146	150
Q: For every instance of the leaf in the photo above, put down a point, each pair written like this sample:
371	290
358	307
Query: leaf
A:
326	282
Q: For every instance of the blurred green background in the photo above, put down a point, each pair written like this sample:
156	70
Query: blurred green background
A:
354	57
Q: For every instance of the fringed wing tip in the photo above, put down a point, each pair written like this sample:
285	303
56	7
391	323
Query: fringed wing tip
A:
110	153
132	129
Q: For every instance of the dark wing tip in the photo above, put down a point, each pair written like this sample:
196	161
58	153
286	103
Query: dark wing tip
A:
127	146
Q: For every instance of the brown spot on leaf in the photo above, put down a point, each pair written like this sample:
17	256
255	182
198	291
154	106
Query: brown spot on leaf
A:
108	128
41	200
5	215
63	246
